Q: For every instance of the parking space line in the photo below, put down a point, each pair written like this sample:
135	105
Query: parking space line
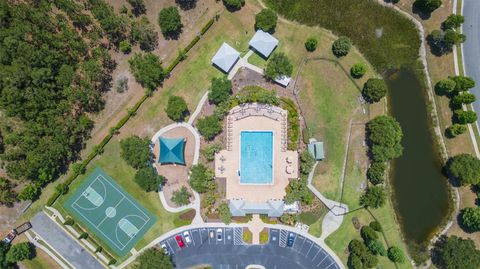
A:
322	260
330	265
309	249
316	255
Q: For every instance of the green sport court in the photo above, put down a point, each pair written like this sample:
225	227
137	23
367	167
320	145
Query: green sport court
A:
108	211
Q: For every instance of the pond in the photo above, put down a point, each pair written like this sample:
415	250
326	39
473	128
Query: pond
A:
421	194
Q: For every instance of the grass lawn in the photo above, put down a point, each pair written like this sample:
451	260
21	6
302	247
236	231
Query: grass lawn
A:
257	60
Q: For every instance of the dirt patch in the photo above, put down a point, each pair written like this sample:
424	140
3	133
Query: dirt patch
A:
189	215
176	175
9	216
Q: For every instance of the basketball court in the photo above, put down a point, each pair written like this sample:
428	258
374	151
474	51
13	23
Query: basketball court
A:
108	211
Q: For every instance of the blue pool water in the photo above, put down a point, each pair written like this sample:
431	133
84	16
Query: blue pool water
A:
256	157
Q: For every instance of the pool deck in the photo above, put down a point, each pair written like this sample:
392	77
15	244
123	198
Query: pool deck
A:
227	162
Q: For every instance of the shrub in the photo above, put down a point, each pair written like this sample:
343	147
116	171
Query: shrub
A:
99	249
121	85
384	135
201	178
395	254
297	190
376	173
376	247
147	70
465	168
307	161
374	197
456	129
220	90
255	94
341	46
181	197
69	222
368	234
358	70
210	151
311	44
176	108
266	20
224	213
83	235
29	192
233	5
209	127
278	66
61	188
136	151
125	46
464	117
112	261
470	217
374	90
376	226
170	21
453	21
148	179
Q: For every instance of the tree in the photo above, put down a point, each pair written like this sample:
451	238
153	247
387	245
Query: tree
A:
374	197
138	7
455	253
445	86
176	108
341	46
452	38
463	83
170	22
278	66
147	70
465	168
463	98
148	179
456	129
470	217
368	234
384	135
181	197
4	247
144	33
209	127
19	252
395	254
376	247
220	90
125	46
153	258
442	42
376	226
210	150
186	4
7	195
297	190
29	192
311	44
136	151
453	21
201	178
464	117
427	6
360	257
307	161
121	85
233	5
358	70
224	213
376	173
374	90
266	20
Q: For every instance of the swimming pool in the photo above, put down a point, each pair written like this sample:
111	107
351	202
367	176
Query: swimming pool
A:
256	157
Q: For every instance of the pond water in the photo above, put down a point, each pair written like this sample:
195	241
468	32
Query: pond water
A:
421	195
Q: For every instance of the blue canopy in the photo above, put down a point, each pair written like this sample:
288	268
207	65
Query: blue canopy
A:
171	150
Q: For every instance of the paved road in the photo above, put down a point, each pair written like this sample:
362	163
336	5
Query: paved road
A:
63	243
231	252
471	48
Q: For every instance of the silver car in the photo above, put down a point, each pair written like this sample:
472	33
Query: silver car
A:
219	234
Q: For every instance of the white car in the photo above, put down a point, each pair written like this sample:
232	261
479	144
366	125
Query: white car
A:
219	234
165	249
186	236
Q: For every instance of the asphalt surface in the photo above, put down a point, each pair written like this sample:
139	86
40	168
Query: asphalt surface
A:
471	47
231	253
63	243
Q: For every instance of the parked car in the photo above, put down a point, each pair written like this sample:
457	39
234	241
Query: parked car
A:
186	236
9	238
179	240
290	239
212	234
219	234
165	249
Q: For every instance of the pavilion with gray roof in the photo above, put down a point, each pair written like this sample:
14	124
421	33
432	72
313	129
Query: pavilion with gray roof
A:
225	58
272	208
263	42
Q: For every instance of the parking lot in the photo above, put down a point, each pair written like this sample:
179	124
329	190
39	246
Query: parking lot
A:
231	252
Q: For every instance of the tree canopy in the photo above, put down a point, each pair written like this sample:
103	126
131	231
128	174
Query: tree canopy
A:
7	195
358	70
29	192
144	33
374	90
220	90
453	21
395	254
19	252
181	196
279	65
455	253
374	197
311	44
136	151
465	168
341	47
464	117
470	217
427	6
170	21
138	7
153	258
297	190
266	20
224	213
385	135
201	178
233	5
176	108
376	173
148	179
209	127
147	70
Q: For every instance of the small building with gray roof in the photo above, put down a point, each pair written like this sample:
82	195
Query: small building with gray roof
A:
225	58
264	43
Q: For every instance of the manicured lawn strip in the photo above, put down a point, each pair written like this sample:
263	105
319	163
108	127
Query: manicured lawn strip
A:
257	60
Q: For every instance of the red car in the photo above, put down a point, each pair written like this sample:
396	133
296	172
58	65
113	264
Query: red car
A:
180	241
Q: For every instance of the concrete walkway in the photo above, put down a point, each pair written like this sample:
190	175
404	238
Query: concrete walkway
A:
256	225
242	63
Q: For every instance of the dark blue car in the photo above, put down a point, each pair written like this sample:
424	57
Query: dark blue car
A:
291	239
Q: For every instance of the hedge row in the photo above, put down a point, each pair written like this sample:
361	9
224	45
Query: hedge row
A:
99	148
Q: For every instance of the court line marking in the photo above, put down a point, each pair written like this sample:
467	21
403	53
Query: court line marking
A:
131	238
123	196
90	185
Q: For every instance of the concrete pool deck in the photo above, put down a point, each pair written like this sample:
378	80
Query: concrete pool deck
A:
253	117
